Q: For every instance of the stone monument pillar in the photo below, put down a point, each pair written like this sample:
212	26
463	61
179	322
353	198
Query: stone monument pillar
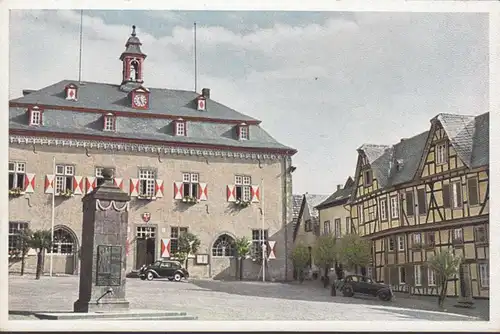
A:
103	258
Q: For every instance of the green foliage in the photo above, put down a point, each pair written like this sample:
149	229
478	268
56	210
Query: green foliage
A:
188	243
300	256
325	250
40	240
354	251
242	246
180	256
445	264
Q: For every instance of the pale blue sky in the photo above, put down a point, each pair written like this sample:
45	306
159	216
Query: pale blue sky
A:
321	82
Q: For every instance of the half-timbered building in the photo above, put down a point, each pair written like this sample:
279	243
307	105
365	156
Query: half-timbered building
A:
188	162
427	193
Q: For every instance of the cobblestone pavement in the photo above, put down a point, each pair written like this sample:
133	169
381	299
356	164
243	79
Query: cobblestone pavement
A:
215	300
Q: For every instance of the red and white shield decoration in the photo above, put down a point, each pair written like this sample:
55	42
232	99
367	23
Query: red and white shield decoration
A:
201	104
272	250
165	247
71	92
146	217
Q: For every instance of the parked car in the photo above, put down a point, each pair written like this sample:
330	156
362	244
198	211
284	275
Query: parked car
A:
352	284
172	270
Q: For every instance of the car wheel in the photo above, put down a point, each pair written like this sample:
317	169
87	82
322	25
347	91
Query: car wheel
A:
150	276
347	291
384	295
177	277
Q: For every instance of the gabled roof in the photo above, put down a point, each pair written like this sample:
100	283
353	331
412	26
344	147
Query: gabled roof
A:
338	197
296	203
399	163
311	201
460	132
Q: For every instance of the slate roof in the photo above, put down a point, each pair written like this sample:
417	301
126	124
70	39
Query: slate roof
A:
339	196
469	135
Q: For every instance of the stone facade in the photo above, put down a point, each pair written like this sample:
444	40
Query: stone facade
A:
207	219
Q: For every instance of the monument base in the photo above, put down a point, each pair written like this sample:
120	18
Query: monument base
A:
123	315
108	305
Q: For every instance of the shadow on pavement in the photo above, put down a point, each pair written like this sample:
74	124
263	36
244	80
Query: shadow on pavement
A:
410	307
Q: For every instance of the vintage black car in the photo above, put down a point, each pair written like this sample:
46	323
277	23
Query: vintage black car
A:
352	284
172	270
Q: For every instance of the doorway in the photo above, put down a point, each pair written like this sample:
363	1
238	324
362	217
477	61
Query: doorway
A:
145	249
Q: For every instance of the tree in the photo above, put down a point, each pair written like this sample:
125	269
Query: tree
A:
41	241
354	251
325	254
24	246
300	258
242	246
188	244
445	265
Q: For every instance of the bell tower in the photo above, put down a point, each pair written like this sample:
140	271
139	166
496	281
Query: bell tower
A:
133	60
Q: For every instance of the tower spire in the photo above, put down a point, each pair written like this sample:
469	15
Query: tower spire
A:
133	31
132	59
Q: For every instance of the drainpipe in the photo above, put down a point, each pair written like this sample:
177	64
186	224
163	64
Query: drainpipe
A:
286	163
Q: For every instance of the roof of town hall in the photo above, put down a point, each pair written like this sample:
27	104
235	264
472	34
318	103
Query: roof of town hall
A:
469	135
215	126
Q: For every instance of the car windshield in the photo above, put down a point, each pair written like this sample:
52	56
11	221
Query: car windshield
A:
157	263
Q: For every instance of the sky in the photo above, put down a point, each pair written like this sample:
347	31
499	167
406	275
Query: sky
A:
323	83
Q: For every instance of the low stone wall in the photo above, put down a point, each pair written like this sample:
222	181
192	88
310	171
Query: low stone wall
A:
62	264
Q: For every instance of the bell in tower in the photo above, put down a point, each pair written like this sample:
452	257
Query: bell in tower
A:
133	60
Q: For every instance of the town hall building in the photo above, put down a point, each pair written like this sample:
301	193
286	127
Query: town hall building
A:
188	162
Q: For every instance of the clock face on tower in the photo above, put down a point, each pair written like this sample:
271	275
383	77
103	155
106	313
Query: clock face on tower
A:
140	100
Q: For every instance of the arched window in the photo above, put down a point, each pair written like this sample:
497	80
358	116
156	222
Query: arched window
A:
64	243
134	70
224	246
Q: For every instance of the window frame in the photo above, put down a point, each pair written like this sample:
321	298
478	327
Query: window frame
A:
417	244
243	132
431	277
408	204
307	225
456	195
347	225
64	178
441	159
109	122
394	208
242	187
174	237
14	234
327	228
147	183
457	240
367	181
255	243
191	183
18	175
337	227
485	231
391	244
422	209
428	243
402	275
180	128
383	209
401	246
484	279
417	272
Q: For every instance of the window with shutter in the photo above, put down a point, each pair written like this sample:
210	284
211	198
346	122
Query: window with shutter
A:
446	196
472	190
383	209
394	208
480	234
422	204
410	205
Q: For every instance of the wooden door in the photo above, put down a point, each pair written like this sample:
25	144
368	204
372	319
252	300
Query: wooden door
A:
140	253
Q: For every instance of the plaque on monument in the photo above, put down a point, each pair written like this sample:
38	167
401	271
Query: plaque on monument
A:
109	265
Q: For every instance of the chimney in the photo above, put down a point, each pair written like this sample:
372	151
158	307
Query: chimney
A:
339	186
206	93
402	140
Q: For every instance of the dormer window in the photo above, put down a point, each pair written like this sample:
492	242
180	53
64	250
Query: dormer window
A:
243	132
399	164
109	122
35	116
202	103
71	91
180	127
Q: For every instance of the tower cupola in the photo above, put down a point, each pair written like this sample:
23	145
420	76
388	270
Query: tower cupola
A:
133	60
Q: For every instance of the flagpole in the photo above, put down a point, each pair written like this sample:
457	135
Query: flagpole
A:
263	239
53	215
195	62
81	41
